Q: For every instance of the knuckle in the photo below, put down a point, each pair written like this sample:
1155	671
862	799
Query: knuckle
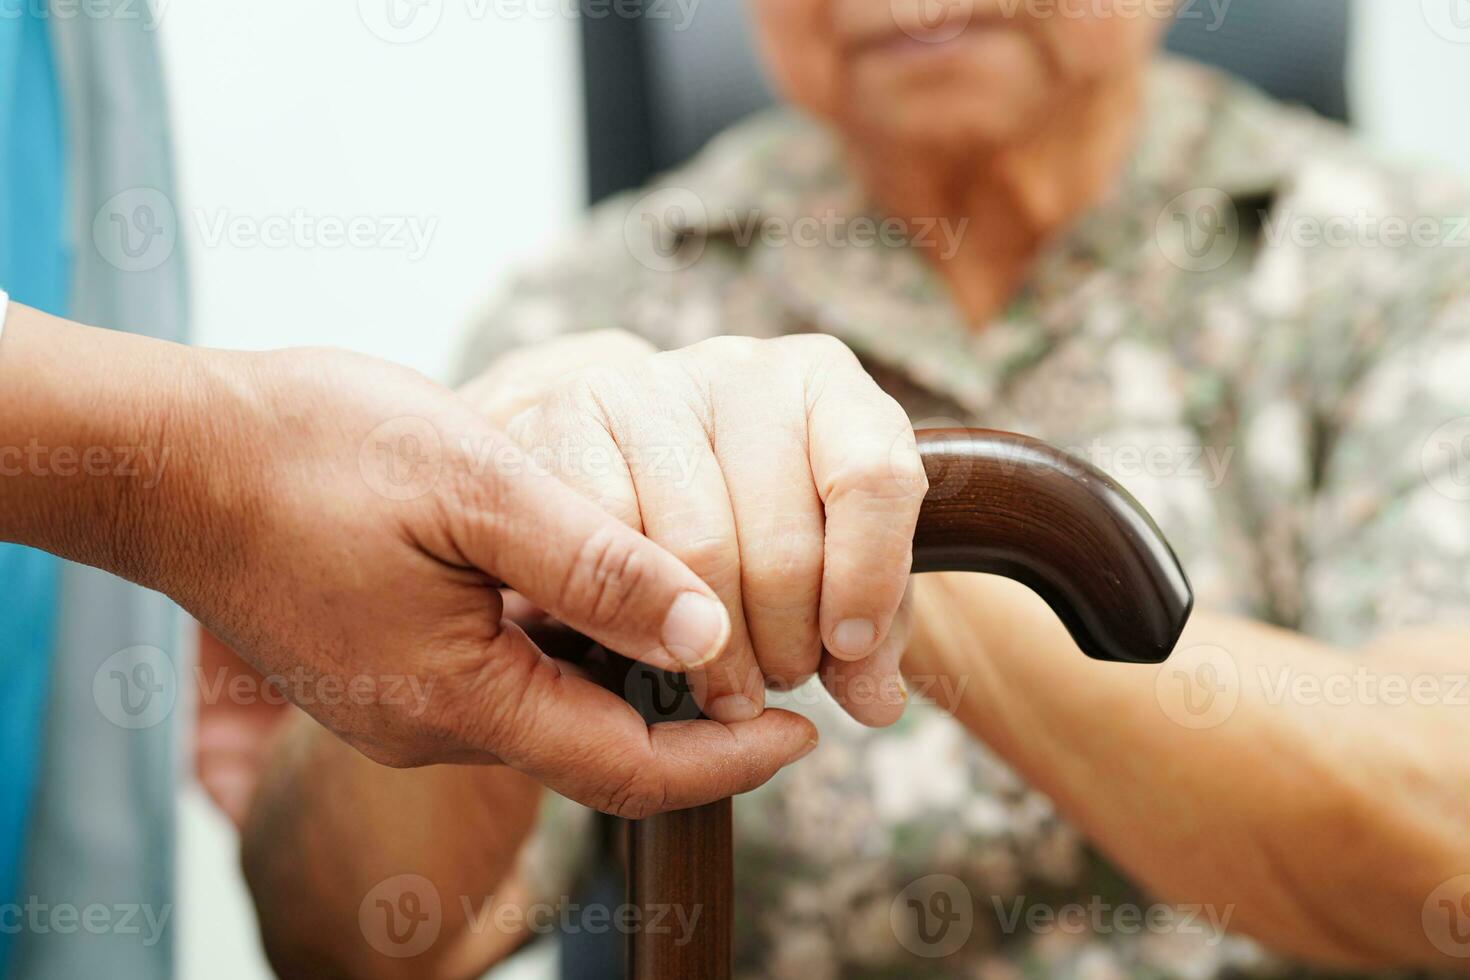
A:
638	795
786	566
491	701
522	427
895	479
616	340
906	468
820	346
710	556
728	347
605	578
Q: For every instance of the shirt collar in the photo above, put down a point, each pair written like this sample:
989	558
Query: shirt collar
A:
1199	129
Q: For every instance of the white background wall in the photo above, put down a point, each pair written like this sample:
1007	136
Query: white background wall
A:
1411	78
294	109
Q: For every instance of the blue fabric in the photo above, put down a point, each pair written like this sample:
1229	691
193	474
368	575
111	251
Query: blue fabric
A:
34	269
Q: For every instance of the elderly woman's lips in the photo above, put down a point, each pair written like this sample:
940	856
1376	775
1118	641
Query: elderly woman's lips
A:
917	44
864	24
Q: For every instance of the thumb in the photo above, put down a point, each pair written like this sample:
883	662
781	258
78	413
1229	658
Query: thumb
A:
589	745
588	569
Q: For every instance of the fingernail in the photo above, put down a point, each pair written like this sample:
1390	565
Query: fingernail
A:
853	639
732	708
695	629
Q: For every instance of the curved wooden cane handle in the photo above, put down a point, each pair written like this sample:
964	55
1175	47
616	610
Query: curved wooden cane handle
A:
1014	506
998	503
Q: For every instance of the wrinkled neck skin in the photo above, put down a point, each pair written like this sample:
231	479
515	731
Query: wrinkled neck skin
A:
1010	200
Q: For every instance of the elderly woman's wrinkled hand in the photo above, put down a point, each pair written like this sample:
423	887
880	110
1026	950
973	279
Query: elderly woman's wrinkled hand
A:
776	469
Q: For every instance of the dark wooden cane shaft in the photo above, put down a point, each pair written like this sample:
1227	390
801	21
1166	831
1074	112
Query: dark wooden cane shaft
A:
681	868
997	503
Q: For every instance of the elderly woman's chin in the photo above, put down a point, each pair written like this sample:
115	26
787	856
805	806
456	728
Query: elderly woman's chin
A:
982	89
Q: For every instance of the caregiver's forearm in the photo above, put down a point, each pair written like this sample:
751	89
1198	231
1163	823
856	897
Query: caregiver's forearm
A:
1323	822
101	445
342	855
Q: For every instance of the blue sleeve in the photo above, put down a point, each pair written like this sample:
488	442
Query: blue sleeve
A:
35	269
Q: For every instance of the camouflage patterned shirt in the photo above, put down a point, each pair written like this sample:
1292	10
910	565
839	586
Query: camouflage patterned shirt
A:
1263	333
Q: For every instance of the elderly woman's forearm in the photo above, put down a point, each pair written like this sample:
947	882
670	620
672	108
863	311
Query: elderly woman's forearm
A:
330	831
1236	775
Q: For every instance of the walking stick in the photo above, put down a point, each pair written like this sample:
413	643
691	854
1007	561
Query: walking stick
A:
997	503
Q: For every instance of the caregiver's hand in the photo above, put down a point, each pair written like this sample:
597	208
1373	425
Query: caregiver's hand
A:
344	523
776	469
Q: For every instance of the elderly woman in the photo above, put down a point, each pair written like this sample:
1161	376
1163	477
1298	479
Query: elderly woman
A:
1025	222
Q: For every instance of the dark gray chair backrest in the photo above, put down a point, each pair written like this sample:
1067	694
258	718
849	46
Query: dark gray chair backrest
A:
657	88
